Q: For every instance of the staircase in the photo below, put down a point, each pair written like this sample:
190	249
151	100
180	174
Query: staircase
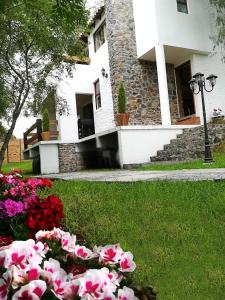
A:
190	144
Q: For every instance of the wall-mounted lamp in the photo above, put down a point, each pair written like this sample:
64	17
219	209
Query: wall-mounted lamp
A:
104	74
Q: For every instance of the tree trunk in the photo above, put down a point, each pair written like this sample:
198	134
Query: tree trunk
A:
7	139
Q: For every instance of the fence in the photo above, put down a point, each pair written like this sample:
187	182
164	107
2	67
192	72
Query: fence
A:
14	152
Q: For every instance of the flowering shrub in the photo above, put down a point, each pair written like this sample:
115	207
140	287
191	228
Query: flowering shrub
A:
217	112
22	211
56	267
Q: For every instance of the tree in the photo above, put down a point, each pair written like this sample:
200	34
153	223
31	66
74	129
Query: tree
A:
35	38
219	37
121	103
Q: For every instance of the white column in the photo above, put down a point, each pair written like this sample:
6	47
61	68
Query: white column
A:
163	86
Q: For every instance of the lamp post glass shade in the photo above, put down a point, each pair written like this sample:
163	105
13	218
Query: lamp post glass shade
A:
198	77
212	79
193	84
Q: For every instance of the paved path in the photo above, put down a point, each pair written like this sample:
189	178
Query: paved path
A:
132	176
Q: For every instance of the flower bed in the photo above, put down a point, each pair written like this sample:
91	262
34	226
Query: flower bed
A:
38	260
22	211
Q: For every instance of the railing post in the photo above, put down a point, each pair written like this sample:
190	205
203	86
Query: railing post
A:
25	140
39	129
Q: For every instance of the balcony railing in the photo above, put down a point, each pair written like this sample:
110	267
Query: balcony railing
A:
33	134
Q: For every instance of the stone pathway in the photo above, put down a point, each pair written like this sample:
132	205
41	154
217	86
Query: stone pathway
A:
132	176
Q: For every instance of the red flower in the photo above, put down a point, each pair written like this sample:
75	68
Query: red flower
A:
5	240
45	214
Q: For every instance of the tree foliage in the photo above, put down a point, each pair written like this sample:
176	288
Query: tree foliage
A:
34	38
219	38
45	120
121	103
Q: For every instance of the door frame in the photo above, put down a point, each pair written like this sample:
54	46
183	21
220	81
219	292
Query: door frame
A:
179	92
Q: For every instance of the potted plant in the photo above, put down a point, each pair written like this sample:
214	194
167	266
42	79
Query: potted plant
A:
218	117
122	117
45	125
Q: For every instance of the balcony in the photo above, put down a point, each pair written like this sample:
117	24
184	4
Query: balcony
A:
33	134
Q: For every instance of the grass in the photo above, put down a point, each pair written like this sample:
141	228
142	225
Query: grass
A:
218	156
175	230
219	162
25	166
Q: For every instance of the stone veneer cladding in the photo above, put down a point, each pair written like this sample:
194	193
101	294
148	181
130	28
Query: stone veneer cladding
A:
69	159
140	77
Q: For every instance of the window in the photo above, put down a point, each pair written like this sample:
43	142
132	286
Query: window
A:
100	36
98	102
182	6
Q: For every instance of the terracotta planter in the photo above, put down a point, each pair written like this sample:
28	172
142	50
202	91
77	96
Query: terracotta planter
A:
122	119
45	135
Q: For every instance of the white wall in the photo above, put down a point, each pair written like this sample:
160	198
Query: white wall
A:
136	145
207	65
83	83
158	21
145	25
49	158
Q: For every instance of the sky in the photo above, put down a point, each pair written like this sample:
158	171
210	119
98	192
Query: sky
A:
23	123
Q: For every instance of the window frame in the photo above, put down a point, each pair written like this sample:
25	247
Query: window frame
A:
97	106
101	27
184	3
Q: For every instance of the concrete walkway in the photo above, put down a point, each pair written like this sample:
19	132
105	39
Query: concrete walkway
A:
132	176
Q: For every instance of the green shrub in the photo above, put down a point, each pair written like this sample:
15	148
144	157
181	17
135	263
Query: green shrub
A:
45	120
121	104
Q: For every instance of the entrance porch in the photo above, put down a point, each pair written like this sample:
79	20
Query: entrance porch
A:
175	67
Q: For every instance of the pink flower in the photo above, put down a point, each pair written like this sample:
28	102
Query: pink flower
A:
32	291
110	254
68	242
4	285
126	294
13	208
83	252
126	263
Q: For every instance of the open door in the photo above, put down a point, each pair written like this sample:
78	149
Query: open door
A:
185	96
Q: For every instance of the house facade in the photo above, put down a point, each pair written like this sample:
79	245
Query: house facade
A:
154	47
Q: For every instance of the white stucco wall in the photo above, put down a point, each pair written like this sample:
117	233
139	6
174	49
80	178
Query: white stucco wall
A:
83	83
137	144
49	158
207	65
145	25
159	22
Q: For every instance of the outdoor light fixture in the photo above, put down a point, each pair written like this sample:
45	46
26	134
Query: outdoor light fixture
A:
198	85
212	80
104	74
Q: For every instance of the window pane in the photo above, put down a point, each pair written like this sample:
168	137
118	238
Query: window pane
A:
100	36
97	95
182	6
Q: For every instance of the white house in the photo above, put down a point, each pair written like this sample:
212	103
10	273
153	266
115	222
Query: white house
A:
154	47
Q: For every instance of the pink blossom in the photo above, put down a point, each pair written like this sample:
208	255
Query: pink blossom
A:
13	208
126	294
83	252
68	242
126	263
110	254
32	291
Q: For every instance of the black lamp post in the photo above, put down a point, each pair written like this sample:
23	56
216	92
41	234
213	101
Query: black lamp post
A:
198	85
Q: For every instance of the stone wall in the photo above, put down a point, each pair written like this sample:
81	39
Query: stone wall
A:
174	112
190	144
69	159
140	77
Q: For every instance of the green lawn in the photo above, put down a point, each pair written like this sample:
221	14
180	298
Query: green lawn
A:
25	166
175	230
219	162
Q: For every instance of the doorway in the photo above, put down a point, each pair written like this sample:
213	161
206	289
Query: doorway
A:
185	96
85	115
